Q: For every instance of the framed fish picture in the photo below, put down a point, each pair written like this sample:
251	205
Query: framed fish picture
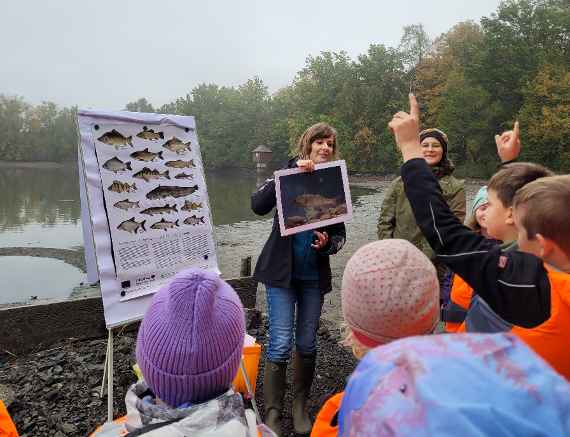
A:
312	200
145	205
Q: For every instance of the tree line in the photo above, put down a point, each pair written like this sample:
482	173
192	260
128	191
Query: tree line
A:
472	82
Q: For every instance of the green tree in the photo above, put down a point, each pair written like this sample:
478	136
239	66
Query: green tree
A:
141	105
545	118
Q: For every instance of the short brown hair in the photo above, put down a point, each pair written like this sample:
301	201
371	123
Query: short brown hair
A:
512	177
545	205
315	132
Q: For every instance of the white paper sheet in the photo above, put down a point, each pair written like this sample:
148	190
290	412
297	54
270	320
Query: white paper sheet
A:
147	223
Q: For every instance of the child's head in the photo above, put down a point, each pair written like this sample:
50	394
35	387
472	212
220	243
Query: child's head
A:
190	341
318	143
501	192
471	384
477	219
541	216
389	291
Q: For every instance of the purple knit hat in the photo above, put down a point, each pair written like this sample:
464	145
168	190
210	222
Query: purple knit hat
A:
190	341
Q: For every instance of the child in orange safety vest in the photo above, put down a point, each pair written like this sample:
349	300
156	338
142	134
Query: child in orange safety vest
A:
389	291
7	427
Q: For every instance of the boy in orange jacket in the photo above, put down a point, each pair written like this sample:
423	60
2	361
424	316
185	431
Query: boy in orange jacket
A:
527	291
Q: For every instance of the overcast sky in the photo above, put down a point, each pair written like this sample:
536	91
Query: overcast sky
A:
106	53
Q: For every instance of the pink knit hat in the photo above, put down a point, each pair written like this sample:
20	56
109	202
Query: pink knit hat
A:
389	291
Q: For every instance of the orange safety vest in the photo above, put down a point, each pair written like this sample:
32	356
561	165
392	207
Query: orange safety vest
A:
461	294
7	427
550	339
326	423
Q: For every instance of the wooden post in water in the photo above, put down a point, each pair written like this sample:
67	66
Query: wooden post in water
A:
245	267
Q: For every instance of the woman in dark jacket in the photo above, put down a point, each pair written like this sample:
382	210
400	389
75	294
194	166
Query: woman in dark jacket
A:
296	273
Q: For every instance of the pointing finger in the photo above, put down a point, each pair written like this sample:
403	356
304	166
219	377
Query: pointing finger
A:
414	107
516	130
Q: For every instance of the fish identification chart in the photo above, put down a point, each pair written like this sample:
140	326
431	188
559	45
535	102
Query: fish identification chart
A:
148	204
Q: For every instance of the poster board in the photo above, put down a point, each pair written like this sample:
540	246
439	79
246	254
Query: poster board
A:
147	203
312	200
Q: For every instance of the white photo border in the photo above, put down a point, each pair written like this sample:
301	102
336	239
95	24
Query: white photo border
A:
346	218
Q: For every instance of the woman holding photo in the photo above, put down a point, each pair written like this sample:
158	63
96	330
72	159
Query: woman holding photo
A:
296	273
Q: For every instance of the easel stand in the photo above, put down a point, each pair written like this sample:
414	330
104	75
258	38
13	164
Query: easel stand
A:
108	374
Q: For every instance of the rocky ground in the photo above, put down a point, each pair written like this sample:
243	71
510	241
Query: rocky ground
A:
56	392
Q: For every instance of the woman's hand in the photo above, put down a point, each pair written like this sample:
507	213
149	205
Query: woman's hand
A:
322	240
306	165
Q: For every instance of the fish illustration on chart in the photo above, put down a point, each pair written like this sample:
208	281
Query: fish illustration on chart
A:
177	146
164	225
122	187
148	175
167	209
126	204
183	176
150	134
193	220
116	165
191	206
163	191
180	164
116	139
145	155
132	226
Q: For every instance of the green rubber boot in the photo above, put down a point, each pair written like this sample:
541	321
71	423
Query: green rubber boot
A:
302	380
273	393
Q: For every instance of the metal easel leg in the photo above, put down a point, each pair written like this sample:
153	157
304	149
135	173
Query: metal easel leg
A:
110	377
249	390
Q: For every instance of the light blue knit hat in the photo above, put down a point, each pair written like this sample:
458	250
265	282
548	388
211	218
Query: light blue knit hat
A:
480	199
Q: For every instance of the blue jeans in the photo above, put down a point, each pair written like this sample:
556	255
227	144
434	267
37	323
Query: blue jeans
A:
281	308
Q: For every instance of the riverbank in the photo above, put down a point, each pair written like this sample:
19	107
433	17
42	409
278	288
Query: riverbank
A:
56	392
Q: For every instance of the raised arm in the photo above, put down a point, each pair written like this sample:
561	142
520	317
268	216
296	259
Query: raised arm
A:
514	284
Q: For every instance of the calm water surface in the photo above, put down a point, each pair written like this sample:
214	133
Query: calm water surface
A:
40	207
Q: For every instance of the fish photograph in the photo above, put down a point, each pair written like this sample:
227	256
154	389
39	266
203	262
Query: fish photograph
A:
164	225
306	199
116	139
126	204
148	175
146	156
183	176
122	187
166	209
193	220
132	226
150	134
191	206
163	191
180	164
177	146
116	165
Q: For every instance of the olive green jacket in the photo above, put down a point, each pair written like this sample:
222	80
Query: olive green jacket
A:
397	219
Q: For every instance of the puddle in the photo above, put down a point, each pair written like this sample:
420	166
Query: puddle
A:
25	276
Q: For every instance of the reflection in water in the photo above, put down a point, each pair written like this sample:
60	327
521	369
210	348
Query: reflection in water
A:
38	195
24	277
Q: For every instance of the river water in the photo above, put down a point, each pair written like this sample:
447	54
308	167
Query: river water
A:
40	208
